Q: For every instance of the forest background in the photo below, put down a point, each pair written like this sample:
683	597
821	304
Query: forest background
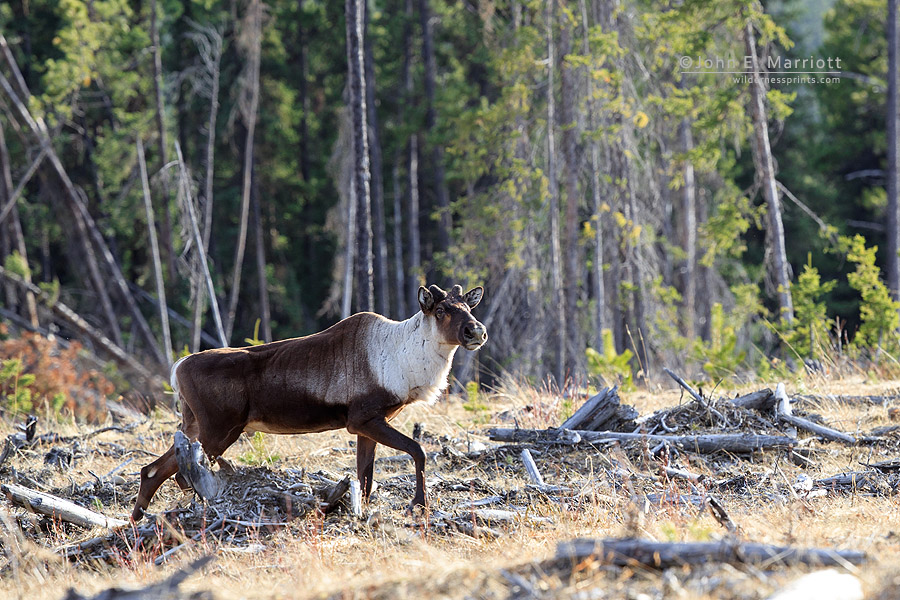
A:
625	206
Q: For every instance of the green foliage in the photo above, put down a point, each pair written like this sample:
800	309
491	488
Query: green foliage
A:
807	336
14	263
474	404
258	454
878	312
611	366
14	386
720	356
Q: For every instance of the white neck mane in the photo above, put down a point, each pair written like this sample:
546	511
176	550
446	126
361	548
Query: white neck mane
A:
409	358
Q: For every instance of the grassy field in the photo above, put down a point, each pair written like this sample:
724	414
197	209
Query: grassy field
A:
390	554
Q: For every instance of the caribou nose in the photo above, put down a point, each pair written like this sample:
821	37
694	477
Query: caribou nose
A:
475	332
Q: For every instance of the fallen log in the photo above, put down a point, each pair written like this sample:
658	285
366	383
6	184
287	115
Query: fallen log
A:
56	507
705	444
820	430
871	481
663	555
603	412
531	468
762	401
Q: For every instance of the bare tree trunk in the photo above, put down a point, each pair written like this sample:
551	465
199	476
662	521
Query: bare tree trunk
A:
893	166
567	121
349	251
365	285
762	155
599	318
445	221
559	308
415	243
209	45
704	282
185	186
264	307
16	238
412	168
688	234
399	283
154	250
162	140
379	241
304	95
249	105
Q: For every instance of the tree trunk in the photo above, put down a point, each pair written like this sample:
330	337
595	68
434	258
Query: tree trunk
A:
688	234
445	222
599	318
210	47
704	296
249	105
414	252
893	168
364	283
399	282
303	90
264	307
559	309
154	251
16	238
572	271
349	251
379	240
198	240
162	141
762	155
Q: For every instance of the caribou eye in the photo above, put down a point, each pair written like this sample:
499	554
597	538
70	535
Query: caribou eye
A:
439	313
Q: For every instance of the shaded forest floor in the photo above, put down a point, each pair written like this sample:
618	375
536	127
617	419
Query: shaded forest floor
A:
465	550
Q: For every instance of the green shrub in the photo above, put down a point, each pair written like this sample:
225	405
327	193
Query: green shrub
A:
612	367
720	356
877	311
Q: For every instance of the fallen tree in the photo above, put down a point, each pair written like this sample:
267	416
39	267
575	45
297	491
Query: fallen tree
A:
663	555
739	443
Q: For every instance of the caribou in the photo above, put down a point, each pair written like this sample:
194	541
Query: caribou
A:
358	374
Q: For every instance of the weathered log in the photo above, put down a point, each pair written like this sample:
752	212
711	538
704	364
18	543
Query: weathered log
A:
603	412
164	590
762	400
332	494
355	498
663	555
704	444
820	430
58	508
531	468
872	481
193	465
685	385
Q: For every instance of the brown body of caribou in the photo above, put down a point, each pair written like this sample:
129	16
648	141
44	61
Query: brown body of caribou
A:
357	374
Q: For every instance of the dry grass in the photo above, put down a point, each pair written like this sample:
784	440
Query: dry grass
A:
395	556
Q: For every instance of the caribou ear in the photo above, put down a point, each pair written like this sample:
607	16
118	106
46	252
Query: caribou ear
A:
473	296
426	300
